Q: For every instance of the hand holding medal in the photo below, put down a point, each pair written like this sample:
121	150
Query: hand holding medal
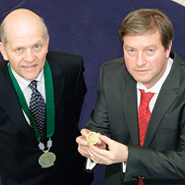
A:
92	138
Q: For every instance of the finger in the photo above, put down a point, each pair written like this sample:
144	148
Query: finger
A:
85	132
84	151
106	140
101	159
94	156
99	152
100	142
81	140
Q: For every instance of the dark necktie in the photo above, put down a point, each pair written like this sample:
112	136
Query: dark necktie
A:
143	118
37	107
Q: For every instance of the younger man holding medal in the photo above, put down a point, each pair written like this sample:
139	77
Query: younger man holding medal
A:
140	107
41	95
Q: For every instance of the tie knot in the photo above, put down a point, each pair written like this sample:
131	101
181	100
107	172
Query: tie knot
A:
33	85
146	97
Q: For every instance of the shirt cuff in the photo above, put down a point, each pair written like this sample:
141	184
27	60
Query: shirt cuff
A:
124	164
90	164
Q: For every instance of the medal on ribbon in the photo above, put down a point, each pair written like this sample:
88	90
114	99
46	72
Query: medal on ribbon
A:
48	158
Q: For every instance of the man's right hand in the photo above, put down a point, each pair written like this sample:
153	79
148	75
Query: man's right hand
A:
83	145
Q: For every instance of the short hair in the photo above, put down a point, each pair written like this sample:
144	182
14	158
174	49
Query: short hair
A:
144	21
3	35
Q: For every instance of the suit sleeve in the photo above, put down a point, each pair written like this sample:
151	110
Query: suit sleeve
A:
99	120
152	164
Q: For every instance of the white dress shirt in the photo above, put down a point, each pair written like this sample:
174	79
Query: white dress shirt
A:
156	88
23	83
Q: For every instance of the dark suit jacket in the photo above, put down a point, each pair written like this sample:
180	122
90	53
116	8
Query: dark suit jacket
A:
115	115
19	150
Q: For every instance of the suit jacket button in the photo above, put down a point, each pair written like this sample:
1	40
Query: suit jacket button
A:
141	177
135	178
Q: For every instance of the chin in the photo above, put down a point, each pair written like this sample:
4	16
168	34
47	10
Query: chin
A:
30	77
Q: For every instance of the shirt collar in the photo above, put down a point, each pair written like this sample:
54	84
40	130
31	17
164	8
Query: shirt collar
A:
157	87
23	83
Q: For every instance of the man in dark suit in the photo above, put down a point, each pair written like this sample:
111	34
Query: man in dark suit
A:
148	67
44	151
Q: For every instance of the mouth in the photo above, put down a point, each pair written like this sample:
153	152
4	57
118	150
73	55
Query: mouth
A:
142	71
29	67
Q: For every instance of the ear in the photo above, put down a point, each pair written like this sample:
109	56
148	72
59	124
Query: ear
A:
47	42
3	51
168	50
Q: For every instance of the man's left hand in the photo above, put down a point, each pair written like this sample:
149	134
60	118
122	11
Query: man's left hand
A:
117	152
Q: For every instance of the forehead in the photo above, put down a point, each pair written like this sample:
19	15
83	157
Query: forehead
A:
25	36
23	27
26	42
144	40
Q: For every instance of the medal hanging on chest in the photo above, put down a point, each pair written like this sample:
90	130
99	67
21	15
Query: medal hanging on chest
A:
48	158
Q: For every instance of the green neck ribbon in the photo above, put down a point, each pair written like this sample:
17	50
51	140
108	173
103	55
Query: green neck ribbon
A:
50	108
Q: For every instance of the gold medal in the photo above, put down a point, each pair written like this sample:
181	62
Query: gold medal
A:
47	159
92	138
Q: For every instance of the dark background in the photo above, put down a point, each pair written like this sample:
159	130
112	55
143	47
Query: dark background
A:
90	28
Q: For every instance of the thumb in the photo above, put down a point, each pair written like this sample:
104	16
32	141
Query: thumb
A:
105	139
85	132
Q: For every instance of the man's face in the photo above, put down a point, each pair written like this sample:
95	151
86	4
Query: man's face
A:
145	57
26	50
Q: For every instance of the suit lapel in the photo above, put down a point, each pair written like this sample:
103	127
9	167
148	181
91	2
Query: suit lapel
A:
10	103
129	97
58	85
58	81
165	99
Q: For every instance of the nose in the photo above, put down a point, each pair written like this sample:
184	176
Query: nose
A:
29	55
140	60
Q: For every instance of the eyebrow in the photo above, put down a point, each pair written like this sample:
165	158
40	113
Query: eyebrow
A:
131	47
21	46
